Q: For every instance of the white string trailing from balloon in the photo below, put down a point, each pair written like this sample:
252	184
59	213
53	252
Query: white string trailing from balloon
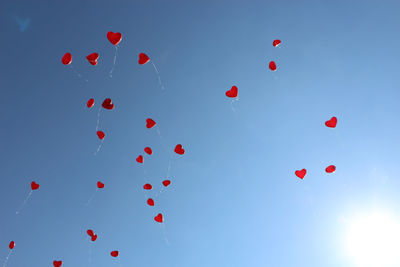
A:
24	203
115	60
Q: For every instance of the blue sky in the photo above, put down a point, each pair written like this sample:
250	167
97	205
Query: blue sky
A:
234	199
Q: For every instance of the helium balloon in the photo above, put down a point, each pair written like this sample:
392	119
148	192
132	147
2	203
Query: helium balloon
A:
150	123
101	135
108	104
272	66
166	183
100	184
34	186
90	232
66	59
57	263
331	123
150	202
301	173
148	150
147	187
233	92
114	253
139	159
93	238
159	218
143	59
330	169
179	150
275	43
114	38
11	245
92	58
90	103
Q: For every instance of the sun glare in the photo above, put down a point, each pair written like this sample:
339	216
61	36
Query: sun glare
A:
374	240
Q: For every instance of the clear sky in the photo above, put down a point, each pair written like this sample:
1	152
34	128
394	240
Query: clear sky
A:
234	200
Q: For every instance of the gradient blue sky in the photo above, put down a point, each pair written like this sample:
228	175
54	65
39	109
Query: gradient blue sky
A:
234	200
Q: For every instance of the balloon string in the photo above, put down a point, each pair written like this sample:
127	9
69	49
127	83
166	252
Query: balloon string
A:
158	75
98	119
164	234
24	203
91	198
77	73
98	149
90	254
339	141
115	60
8	256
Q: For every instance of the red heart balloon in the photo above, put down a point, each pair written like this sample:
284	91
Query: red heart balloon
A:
90	103
233	92
179	150
143	59
90	232
148	150
101	135
34	186
275	43
139	159
272	66
108	104
11	245
150	123
166	182
66	59
92	58
114	38
93	238
114	253
301	173
331	123
150	202
159	218
147	187
57	263
330	169
100	184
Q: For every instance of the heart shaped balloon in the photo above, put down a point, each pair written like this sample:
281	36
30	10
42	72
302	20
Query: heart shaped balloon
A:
301	173
139	159
90	103
150	202
57	263
148	150
159	218
108	104
100	184
93	238
166	183
101	135
331	123
272	66
275	43
11	245
66	59
147	187
179	150
233	92
34	186
114	253
150	123
143	59
92	58
90	232
330	169
114	38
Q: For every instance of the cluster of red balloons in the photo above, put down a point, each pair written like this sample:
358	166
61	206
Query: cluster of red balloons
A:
331	123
